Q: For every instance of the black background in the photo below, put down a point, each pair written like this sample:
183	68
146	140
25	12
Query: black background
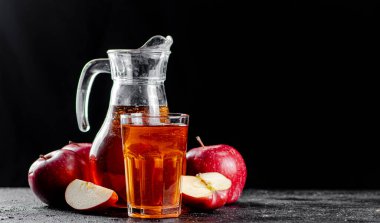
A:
290	85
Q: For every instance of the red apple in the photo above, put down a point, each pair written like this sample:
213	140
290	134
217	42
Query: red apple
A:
219	158
206	191
82	151
86	196
50	174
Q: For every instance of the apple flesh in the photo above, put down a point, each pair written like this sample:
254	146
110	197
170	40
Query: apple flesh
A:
206	191
219	158
86	196
50	174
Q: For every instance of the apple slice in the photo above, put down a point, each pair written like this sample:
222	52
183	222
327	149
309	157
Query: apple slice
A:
206	191
83	195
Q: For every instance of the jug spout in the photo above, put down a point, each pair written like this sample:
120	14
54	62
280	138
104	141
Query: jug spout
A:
158	43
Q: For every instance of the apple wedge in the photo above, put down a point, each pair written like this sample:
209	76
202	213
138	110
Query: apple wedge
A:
205	191
86	196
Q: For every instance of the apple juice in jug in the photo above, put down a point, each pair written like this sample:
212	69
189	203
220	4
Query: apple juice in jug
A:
107	160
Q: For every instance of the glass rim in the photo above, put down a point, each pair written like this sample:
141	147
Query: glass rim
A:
169	115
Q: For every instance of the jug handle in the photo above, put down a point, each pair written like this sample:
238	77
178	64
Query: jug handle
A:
89	72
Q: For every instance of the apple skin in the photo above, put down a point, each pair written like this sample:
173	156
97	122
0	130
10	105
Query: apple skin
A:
223	159
82	151
50	174
216	200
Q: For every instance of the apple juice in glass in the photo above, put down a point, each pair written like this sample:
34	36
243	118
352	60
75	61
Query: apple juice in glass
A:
138	86
154	150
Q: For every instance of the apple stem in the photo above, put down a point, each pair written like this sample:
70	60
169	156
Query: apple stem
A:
200	141
42	157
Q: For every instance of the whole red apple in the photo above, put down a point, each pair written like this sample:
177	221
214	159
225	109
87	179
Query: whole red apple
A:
50	174
223	159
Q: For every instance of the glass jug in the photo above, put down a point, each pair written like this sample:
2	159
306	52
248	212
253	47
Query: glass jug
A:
138	87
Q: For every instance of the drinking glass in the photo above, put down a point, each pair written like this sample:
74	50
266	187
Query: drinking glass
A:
154	149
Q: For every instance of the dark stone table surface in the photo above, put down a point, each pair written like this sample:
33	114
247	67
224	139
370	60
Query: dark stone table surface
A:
20	205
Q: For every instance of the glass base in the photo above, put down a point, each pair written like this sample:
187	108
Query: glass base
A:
154	212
